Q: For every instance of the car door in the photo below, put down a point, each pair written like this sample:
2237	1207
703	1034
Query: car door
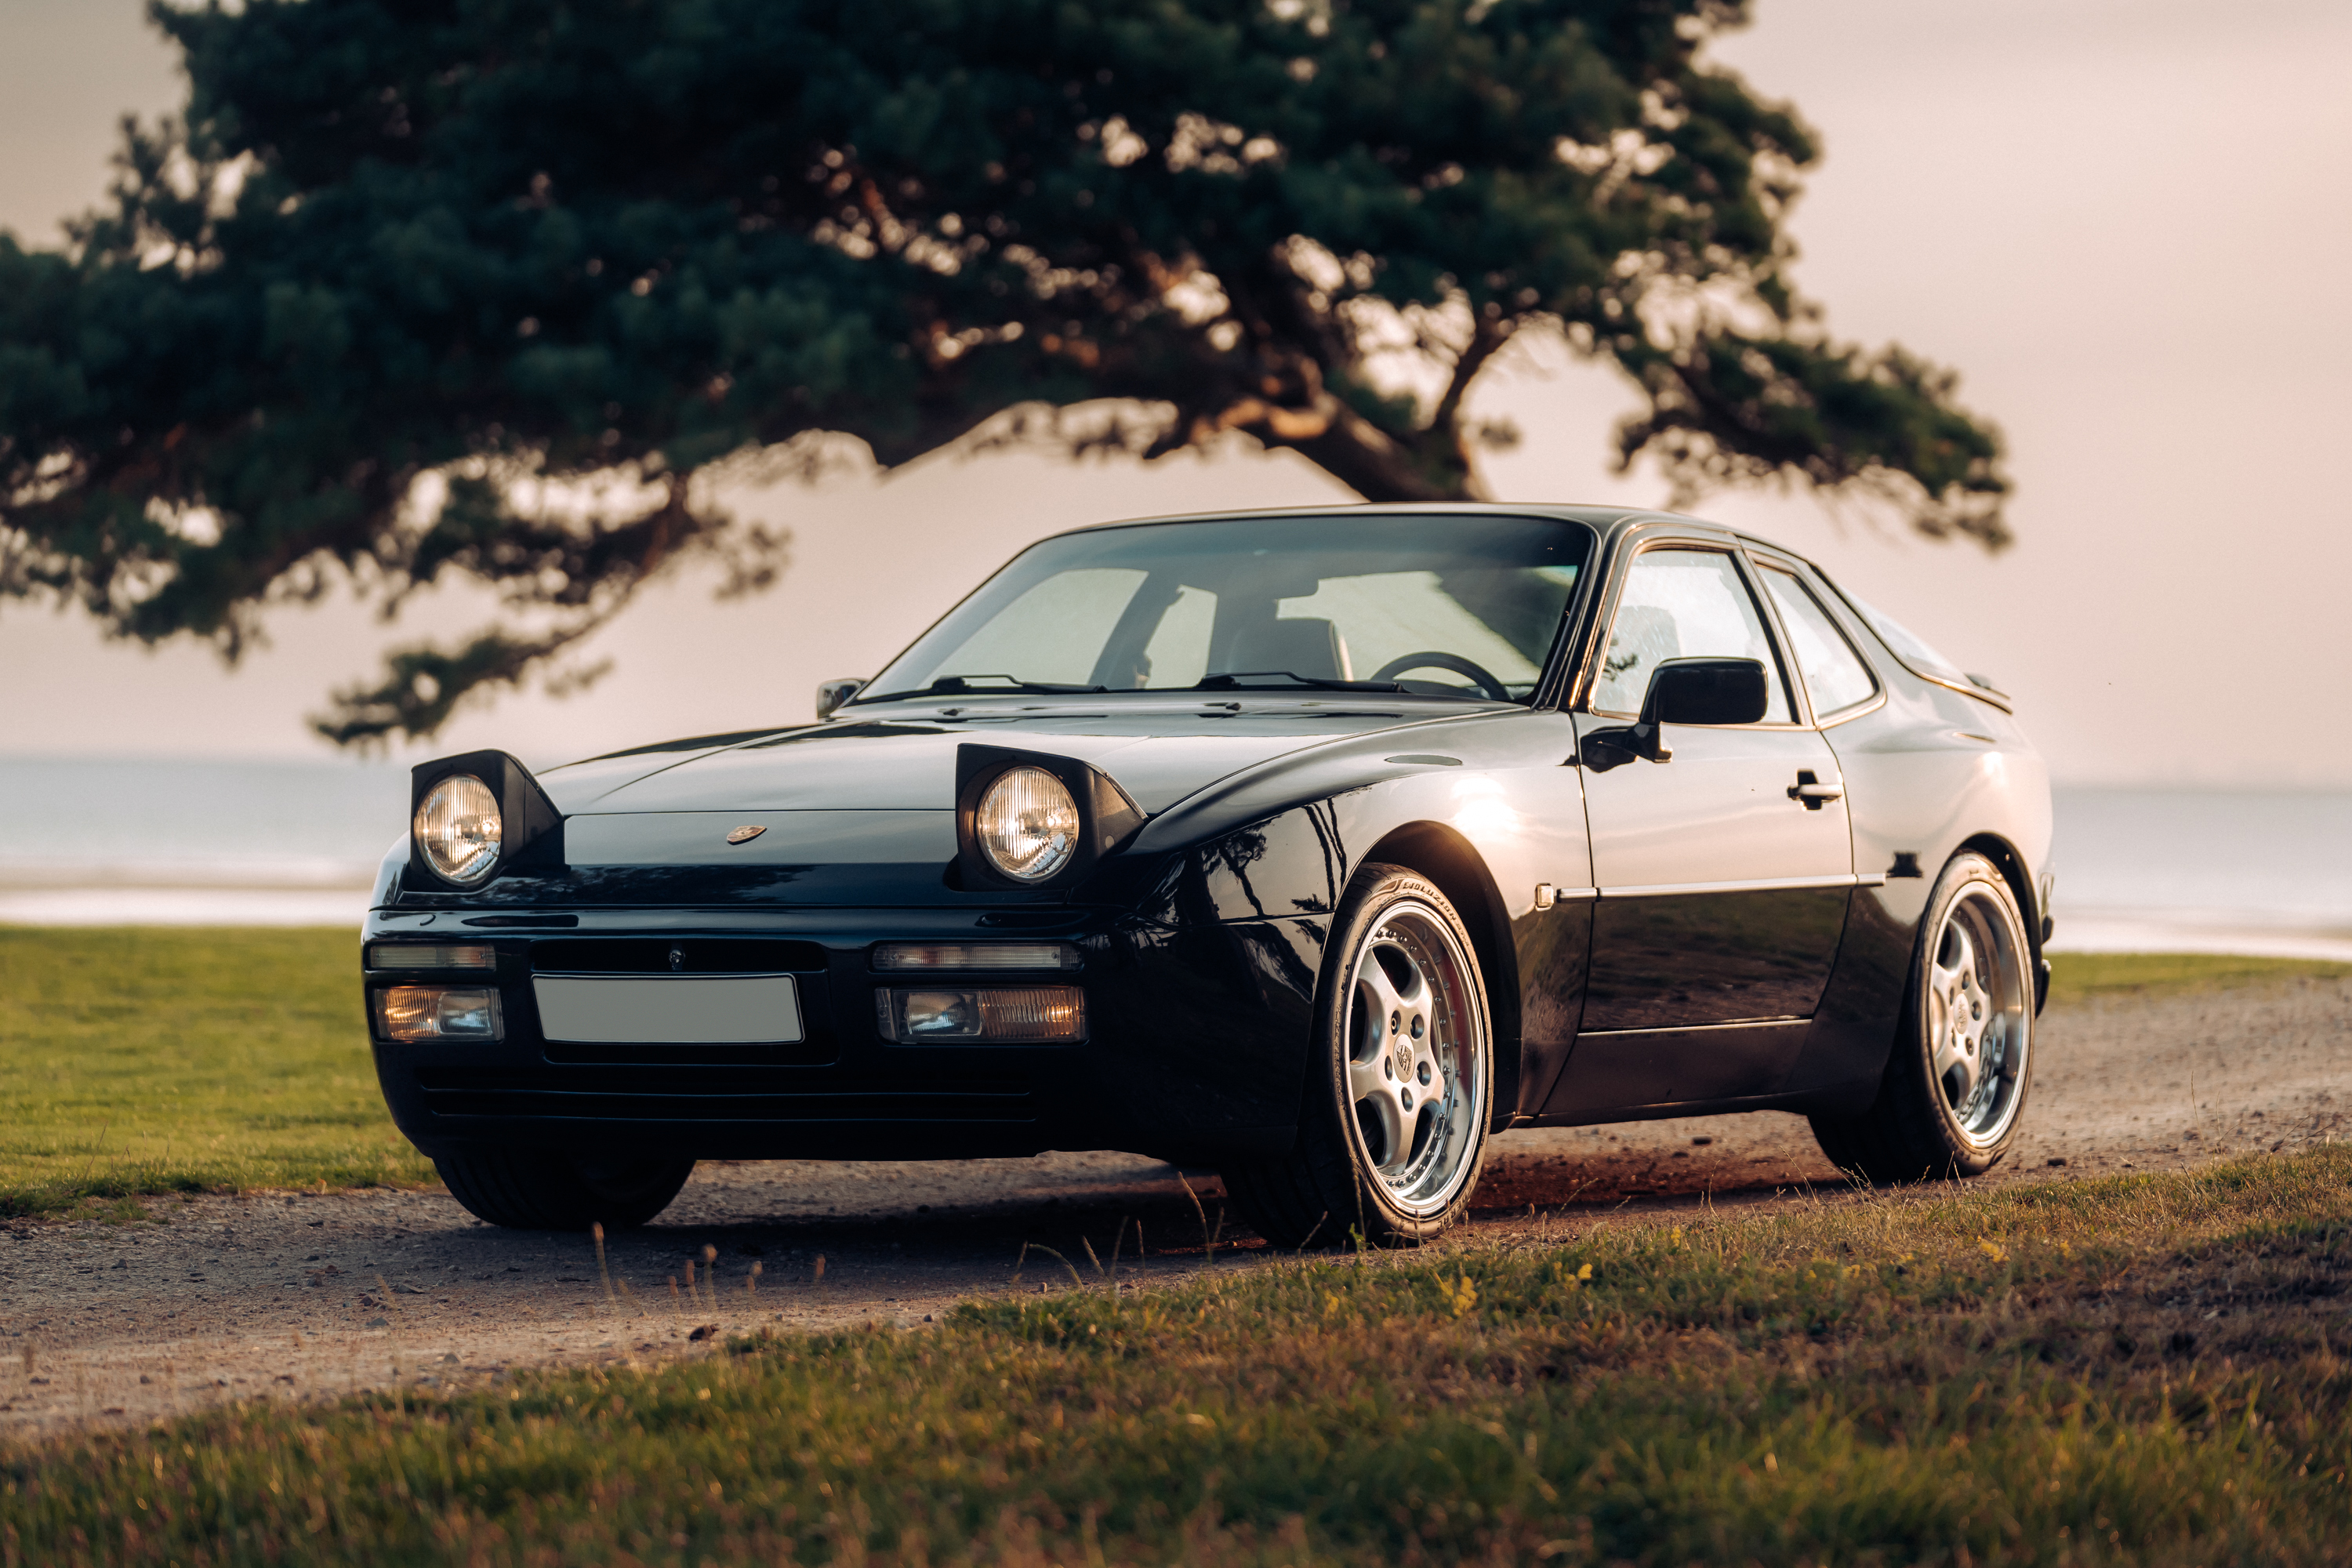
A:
1723	871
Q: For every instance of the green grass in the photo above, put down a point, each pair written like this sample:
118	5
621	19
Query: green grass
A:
147	1060
2076	976
2146	1369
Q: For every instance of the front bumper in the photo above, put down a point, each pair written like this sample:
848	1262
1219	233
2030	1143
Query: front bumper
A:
1195	1046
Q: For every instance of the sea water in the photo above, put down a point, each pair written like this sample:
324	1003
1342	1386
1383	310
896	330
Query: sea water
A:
108	841
129	841
2183	872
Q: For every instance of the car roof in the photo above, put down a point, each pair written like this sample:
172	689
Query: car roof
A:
1609	521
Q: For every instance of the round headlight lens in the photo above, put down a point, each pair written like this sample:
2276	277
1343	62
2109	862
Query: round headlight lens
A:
458	827
1027	825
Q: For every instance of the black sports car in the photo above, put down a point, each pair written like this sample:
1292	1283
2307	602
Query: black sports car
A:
1317	845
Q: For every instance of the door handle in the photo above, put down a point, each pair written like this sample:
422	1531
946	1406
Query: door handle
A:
1814	793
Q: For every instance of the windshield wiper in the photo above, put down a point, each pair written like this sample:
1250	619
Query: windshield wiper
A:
1231	680
961	685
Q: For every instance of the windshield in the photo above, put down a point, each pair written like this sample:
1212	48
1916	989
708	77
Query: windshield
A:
1447	606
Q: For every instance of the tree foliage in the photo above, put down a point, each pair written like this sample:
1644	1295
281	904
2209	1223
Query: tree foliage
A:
486	289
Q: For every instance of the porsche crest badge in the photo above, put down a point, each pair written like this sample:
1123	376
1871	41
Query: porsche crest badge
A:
744	835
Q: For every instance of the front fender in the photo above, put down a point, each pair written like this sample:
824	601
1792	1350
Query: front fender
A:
1487	808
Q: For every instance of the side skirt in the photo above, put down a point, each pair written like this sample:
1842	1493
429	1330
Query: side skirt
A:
1613	1068
1842	1100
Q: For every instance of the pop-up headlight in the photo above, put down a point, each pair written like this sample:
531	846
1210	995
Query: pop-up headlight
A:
1027	825
477	816
458	827
1035	820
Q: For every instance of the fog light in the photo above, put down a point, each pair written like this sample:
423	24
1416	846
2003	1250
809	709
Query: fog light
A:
975	955
409	1013
938	1015
431	955
990	1015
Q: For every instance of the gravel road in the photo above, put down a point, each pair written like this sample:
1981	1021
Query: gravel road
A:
272	1295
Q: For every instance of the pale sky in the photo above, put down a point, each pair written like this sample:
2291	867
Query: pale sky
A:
2124	221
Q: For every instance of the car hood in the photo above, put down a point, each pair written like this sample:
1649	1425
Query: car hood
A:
905	760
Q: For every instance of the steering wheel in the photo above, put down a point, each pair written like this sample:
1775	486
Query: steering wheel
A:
1435	658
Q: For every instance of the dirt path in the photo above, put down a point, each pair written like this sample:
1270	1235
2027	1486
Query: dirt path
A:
306	1296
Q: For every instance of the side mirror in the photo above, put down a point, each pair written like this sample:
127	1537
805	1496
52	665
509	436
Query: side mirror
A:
1684	692
832	694
1706	691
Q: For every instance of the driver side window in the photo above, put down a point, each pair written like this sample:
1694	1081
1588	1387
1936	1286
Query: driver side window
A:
1683	602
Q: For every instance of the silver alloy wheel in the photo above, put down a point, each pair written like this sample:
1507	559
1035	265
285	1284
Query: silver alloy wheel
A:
1980	1015
1416	1057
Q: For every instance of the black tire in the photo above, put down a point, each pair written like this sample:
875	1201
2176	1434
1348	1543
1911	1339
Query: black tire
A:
1954	1093
536	1189
1375	1153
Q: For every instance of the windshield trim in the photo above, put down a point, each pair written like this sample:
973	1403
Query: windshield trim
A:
1242	699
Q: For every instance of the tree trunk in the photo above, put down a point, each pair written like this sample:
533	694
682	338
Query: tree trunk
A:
1374	464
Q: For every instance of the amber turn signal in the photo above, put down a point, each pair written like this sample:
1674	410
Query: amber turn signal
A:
411	1013
983	1014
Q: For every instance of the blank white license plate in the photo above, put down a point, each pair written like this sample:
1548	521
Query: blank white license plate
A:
668	1010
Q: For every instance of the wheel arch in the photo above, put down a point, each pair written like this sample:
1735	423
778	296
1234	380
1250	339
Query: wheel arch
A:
1461	873
1859	1022
2013	870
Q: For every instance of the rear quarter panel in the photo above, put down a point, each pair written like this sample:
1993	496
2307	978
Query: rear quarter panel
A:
1929	773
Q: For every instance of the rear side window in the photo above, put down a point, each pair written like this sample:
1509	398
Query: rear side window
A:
1835	676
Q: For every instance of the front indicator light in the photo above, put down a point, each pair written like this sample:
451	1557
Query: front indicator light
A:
431	955
975	955
411	1013
984	1016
